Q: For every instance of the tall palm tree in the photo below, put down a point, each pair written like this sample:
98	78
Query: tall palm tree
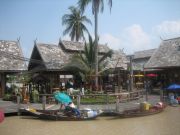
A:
96	6
84	62
75	24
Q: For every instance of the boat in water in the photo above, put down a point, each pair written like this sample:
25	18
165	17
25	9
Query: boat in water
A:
138	112
86	114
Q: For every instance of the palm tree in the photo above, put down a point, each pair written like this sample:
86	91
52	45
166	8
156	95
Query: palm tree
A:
96	6
84	62
75	24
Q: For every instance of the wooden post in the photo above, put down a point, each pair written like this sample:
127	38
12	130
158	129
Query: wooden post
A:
146	94
117	103
78	101
107	98
44	102
131	73
161	96
18	104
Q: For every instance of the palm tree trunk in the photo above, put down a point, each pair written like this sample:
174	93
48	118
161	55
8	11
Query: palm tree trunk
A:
96	44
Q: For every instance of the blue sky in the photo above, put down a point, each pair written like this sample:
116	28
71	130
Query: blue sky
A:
132	25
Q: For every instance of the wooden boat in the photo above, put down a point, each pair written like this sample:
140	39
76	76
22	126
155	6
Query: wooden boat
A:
139	113
60	115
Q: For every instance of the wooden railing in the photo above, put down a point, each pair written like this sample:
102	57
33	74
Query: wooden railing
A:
119	97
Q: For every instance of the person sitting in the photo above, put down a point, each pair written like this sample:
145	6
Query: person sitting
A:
71	110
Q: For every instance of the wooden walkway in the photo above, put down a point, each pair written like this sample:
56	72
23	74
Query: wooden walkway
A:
11	107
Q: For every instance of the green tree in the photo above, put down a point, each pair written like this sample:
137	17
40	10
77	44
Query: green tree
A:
84	62
97	5
75	24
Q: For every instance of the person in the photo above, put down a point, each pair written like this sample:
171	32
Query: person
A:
69	87
66	104
172	99
70	110
82	89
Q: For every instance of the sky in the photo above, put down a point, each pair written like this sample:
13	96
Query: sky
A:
132	25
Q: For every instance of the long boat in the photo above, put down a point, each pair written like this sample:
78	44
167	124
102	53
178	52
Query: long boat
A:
60	115
138	112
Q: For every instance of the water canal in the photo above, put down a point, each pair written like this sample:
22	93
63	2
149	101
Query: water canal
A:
165	123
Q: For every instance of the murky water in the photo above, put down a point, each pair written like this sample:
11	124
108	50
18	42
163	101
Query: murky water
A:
165	123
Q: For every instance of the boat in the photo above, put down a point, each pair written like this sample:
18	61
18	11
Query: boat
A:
138	112
61	115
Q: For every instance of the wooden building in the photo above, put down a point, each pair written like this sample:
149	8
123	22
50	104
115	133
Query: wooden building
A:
47	60
140	58
167	59
11	61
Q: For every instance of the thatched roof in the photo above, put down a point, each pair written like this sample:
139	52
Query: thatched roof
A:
52	55
73	46
140	58
11	57
118	60
143	54
167	55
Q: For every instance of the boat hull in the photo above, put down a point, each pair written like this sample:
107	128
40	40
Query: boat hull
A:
57	115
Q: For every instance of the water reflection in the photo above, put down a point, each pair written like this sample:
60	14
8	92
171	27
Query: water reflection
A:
166	123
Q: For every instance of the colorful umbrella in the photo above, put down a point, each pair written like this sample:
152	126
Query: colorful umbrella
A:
173	87
151	75
62	97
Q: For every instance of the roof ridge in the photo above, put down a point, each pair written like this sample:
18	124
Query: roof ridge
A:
171	38
40	43
9	40
146	50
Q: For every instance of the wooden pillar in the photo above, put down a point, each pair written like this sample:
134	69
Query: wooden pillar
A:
131	73
117	103
119	79
78	101
3	83
18	104
44	102
51	81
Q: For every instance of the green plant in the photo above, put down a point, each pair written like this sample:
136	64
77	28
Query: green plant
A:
7	97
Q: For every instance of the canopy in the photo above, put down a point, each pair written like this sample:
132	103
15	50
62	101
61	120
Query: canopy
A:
62	97
173	87
151	75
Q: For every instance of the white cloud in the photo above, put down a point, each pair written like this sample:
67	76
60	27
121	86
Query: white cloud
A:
112	41
168	29
134	39
131	39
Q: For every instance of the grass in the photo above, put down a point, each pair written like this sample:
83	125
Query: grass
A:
96	100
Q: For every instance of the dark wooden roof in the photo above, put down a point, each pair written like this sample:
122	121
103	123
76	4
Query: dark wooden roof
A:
72	46
11	57
167	55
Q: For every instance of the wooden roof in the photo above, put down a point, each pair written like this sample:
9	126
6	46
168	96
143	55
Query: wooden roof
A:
53	57
167	55
73	46
11	57
118	60
143	54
